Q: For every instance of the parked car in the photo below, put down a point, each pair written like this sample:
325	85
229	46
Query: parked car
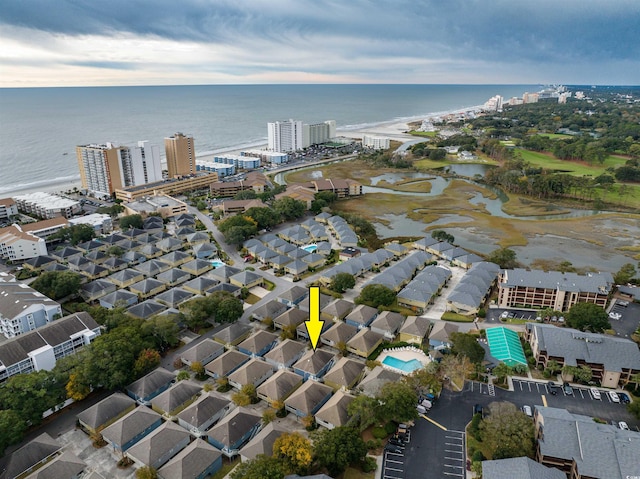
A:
568	390
477	409
616	316
614	396
396	442
623	425
552	388
595	393
421	409
504	315
393	448
624	304
527	410
624	398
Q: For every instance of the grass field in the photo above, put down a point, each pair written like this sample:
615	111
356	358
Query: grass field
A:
555	136
546	160
428	134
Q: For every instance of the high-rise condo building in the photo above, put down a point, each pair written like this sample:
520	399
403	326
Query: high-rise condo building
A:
181	155
106	168
285	136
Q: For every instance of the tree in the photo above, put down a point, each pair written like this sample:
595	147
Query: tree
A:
289	208
503	257
238	228
262	467
201	205
507	432
455	369
198	368
161	331
364	411
501	371
467	345
376	295
398	402
57	284
31	394
77	387
74	234
442	235
264	217
12	428
228	308
588	316
342	282
295	450
336	448
131	221
146	472
115	250
626	273
147	360
112	356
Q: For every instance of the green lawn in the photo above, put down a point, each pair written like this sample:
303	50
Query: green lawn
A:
555	136
571	167
429	134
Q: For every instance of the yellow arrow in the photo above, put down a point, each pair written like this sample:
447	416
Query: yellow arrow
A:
314	324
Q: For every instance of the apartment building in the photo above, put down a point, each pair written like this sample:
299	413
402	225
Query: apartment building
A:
163	204
40	349
612	360
180	154
47	205
375	142
538	289
285	136
23	309
172	186
104	168
254	181
267	157
16	244
8	208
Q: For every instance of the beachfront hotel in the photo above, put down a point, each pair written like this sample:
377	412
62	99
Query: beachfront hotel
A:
293	135
107	167
181	155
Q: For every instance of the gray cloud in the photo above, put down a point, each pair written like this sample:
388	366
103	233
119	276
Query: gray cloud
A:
548	33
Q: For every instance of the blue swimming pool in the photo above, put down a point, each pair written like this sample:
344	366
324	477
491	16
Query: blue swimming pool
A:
216	263
406	366
311	248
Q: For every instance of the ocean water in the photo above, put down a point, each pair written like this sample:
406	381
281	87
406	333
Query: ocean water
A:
40	127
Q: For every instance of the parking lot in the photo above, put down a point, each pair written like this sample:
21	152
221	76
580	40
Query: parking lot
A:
438	444
393	466
629	319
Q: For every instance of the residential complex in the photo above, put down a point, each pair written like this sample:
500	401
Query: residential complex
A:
181	155
23	309
46	205
612	360
105	168
40	349
172	186
375	142
293	135
559	291
29	240
8	208
583	448
163	204
267	157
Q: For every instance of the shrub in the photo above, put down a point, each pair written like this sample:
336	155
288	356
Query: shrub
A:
379	432
390	428
482	313
478	456
369	464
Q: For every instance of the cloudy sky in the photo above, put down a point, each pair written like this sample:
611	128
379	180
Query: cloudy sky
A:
148	42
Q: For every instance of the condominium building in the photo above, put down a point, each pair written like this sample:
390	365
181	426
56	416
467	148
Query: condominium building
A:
23	309
47	205
8	208
163	204
272	157
16	244
318	133
40	349
560	291
107	167
45	228
181	155
172	186
239	161
285	135
375	142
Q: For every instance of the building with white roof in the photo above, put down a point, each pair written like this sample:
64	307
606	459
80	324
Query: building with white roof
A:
375	142
46	205
101	223
273	157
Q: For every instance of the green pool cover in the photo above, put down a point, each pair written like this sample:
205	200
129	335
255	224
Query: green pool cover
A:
505	346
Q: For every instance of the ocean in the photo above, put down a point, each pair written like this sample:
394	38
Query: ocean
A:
40	127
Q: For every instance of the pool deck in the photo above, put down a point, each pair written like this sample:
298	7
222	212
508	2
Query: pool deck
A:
404	354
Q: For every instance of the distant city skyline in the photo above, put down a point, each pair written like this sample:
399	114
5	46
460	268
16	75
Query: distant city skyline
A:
144	42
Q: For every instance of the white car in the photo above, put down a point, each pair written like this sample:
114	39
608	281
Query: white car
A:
613	396
527	410
616	316
504	315
623	425
595	393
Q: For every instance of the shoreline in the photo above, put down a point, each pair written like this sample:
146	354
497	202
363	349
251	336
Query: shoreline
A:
394	129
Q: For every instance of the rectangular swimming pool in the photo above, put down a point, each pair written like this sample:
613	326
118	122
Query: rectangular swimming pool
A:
406	366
